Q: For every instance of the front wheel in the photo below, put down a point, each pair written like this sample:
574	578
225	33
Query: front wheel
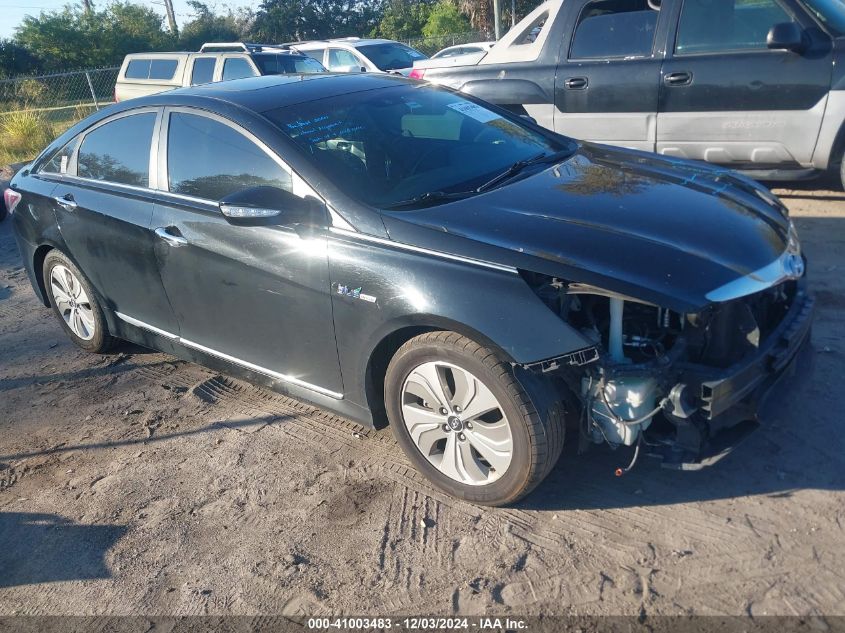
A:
463	418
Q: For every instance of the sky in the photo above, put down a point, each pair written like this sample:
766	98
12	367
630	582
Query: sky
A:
13	11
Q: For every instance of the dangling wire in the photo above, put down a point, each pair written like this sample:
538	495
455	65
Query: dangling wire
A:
623	471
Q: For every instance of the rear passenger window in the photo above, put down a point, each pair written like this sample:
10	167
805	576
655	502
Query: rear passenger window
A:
316	54
237	68
709	26
614	28
203	70
119	151
210	160
163	68
339	58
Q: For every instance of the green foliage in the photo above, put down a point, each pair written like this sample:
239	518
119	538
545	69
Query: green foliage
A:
206	26
24	133
445	19
280	21
403	20
16	60
73	38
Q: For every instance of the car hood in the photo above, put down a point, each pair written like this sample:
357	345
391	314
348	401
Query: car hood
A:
657	229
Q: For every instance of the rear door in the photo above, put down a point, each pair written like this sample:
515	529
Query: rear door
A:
258	296
607	82
726	98
104	203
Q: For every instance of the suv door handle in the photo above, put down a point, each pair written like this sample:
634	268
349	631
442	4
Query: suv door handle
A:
66	201
576	83
173	240
681	78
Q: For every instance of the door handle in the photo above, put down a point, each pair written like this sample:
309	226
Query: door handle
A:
576	83
66	202
173	240
681	78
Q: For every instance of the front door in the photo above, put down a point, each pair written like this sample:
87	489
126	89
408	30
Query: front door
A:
104	203
607	82
258	296
726	98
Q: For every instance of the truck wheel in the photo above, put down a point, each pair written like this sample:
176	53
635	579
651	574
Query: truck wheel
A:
465	421
74	302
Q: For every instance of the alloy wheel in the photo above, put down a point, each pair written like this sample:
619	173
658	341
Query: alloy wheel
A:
457	423
72	302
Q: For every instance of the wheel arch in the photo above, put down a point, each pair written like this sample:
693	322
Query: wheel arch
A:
38	258
394	336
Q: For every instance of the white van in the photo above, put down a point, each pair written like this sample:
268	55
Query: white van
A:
148	73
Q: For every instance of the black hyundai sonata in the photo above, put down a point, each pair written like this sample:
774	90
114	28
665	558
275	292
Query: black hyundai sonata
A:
397	252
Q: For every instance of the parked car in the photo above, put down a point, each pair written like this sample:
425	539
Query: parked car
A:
465	55
148	73
393	251
756	86
357	55
463	49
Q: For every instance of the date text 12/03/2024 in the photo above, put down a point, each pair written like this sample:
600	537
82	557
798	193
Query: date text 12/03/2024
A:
418	623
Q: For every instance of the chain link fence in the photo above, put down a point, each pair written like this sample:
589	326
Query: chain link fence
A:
430	45
36	109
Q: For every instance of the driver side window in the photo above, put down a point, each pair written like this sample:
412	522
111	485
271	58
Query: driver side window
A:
712	26
210	160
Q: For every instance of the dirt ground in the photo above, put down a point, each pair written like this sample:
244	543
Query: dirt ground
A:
135	483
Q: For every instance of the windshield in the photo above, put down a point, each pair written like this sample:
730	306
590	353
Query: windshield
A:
830	12
391	56
386	146
281	64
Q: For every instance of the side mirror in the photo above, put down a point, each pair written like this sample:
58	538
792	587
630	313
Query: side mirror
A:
787	36
257	205
363	69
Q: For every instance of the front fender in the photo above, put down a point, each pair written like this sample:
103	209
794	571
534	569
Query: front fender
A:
378	289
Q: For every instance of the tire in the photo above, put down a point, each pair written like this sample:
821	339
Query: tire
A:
75	304
475	468
842	173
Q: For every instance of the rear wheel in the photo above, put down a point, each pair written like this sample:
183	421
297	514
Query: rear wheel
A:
467	423
74	302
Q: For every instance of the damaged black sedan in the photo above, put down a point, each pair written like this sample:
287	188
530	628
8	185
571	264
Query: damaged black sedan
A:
400	253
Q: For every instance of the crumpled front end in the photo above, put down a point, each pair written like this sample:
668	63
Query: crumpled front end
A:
680	386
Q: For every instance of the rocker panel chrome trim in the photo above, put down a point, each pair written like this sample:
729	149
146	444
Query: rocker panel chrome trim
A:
237	361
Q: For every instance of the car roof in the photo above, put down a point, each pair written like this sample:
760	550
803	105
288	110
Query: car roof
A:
354	42
269	92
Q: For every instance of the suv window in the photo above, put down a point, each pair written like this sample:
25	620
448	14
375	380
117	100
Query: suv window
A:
237	68
614	28
316	53
708	26
339	58
119	151
163	68
203	70
210	160
280	64
151	69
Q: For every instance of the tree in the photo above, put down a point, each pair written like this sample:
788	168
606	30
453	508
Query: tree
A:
16	60
75	38
403	20
296	20
445	19
206	26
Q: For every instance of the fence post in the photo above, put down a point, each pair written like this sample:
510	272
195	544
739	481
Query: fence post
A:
91	88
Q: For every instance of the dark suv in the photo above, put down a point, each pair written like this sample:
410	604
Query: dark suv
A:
393	251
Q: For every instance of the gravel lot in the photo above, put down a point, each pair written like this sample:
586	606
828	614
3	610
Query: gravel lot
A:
135	483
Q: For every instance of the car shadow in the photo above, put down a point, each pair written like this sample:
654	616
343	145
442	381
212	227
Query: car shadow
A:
39	548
